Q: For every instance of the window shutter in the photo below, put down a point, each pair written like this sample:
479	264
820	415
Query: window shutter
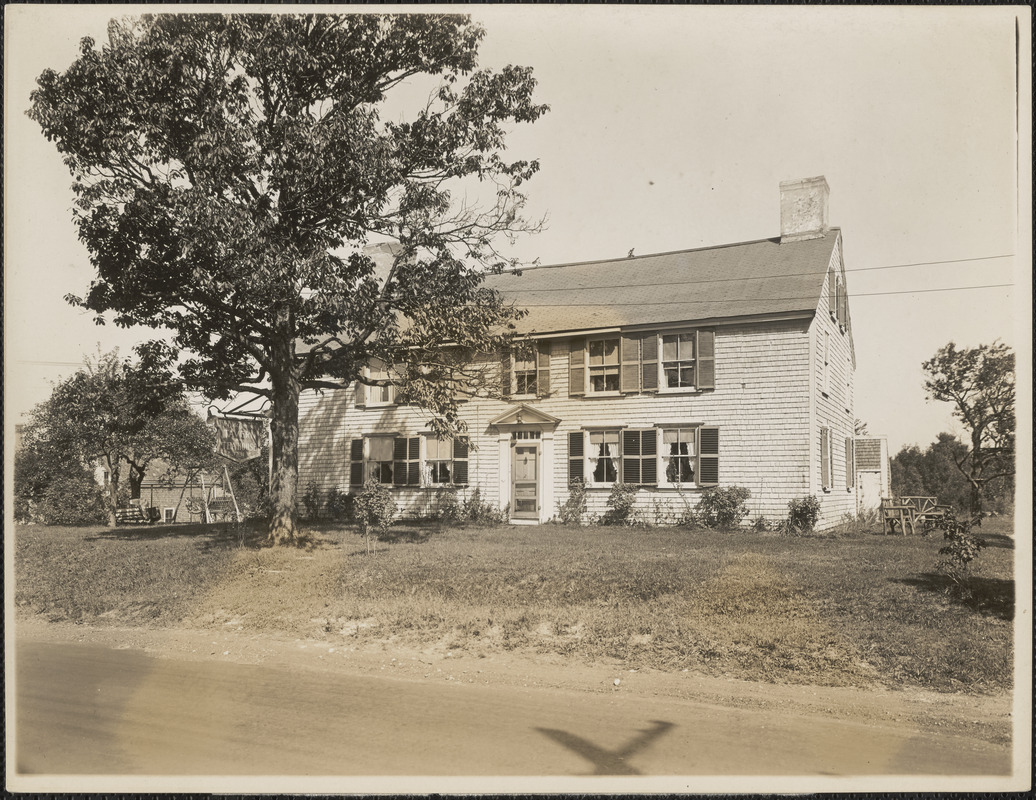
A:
850	463
706	378
832	294
629	360
575	456
542	368
825	458
631	457
649	450
649	362
577	367
356	462
708	456
361	395
506	375
399	449
841	305
413	448
460	461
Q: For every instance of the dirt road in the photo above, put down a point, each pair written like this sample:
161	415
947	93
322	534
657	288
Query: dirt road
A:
194	703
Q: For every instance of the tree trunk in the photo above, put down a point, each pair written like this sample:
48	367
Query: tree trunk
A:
136	477
284	433
112	493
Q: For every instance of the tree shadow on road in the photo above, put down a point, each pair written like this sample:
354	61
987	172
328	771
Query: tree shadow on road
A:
608	762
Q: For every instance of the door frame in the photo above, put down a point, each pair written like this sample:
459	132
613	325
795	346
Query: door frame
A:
534	444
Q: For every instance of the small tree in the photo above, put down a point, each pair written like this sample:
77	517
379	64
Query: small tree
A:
979	381
375	509
723	508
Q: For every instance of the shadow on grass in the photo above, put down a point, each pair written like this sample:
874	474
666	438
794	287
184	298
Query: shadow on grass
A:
988	595
252	534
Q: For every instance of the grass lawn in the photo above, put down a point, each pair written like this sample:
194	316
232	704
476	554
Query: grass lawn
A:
854	609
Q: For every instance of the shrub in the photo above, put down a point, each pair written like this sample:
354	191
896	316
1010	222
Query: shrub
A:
71	500
761	524
479	511
339	505
620	505
803	514
375	509
662	511
961	549
447	505
571	511
723	508
311	502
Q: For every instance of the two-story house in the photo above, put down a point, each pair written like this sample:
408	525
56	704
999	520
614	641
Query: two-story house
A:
718	366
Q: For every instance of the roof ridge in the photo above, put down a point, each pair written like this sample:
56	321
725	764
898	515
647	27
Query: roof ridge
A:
775	239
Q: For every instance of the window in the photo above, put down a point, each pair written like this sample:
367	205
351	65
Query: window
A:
639	462
525	374
446	461
826	467
379	459
850	466
604	456
168	515
379	395
678	453
604	365
678	360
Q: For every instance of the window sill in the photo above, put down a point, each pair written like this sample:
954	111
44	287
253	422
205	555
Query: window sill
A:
377	405
603	394
680	390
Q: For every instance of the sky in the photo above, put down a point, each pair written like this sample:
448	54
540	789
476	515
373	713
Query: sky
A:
671	128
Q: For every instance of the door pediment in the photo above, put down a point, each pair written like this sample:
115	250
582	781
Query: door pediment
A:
522	414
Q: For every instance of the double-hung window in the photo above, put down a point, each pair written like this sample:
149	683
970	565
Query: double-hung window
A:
678	454
379	458
640	457
604	456
604	364
678	360
446	461
379	395
525	373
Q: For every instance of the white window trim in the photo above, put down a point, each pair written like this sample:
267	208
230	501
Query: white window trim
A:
367	401
588	465
662	482
588	390
662	388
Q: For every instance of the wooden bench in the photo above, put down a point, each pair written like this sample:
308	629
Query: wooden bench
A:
926	509
895	514
131	515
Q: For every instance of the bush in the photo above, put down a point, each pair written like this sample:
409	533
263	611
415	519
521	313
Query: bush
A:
723	508
71	500
375	509
961	549
339	505
572	510
447	505
481	512
311	502
620	505
761	524
803	515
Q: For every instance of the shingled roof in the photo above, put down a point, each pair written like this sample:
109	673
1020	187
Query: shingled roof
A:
765	277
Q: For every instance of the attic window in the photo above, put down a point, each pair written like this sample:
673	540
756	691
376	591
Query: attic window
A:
678	360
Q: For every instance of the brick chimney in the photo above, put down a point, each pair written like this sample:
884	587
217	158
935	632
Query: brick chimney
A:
804	209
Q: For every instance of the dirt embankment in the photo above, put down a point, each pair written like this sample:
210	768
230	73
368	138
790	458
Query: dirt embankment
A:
984	717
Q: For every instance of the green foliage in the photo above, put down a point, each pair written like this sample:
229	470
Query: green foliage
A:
340	506
69	499
803	515
447	504
231	171
572	510
375	510
723	507
961	549
311	502
979	381
482	512
621	501
761	524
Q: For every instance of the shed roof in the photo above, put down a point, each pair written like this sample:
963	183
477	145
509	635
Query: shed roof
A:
764	277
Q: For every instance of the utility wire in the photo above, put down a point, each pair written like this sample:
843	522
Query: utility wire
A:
758	299
757	277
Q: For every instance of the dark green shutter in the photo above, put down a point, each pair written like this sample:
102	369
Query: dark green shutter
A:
629	363
542	368
832	294
413	448
460	473
631	457
399	449
577	367
706	360
505	373
708	456
460	447
825	458
850	467
460	461
649	449
649	362
575	455
356	462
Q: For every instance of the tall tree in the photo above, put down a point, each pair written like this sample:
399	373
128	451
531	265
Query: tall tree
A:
177	436
979	381
231	169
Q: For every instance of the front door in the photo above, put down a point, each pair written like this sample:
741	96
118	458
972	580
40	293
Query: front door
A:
525	501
